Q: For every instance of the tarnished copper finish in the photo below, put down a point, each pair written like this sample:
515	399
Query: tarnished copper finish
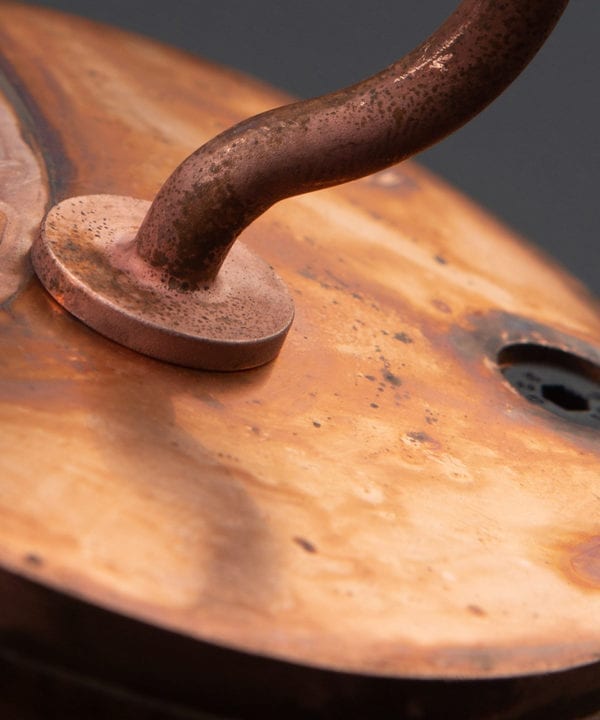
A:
378	504
227	183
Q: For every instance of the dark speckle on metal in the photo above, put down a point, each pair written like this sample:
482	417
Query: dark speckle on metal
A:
213	195
172	266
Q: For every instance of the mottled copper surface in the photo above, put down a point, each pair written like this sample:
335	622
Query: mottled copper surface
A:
85	254
377	500
23	199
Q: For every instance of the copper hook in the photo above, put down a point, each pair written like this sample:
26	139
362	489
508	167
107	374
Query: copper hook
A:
222	187
174	258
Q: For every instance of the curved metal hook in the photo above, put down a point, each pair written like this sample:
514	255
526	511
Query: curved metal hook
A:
164	303
222	187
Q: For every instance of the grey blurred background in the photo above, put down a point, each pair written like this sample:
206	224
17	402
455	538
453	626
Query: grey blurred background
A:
532	158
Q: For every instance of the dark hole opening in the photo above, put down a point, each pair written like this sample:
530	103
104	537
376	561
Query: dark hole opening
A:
561	382
544	356
565	398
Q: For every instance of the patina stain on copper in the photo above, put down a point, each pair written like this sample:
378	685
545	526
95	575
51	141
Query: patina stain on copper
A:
556	373
585	561
24	195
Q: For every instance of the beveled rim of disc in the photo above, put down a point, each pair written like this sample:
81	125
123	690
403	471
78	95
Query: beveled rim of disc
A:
85	256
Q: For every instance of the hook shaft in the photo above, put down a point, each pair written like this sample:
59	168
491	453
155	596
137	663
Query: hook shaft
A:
222	187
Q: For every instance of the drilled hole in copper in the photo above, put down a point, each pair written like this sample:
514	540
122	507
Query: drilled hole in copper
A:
561	382
565	398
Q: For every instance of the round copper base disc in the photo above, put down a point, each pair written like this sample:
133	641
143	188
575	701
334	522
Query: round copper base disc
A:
85	256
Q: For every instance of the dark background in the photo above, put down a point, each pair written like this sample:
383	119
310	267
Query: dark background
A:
532	158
